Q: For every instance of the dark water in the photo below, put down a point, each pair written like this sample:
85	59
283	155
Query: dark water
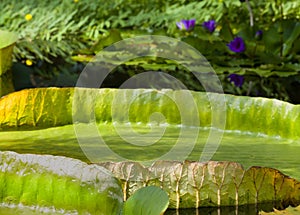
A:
266	209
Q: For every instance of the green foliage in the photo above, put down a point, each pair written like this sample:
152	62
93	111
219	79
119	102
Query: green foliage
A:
53	31
60	29
150	200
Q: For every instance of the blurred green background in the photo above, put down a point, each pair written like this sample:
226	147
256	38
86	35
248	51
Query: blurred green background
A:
58	37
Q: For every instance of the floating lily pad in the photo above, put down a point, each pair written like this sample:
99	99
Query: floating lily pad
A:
218	183
288	211
59	106
7	40
209	184
63	183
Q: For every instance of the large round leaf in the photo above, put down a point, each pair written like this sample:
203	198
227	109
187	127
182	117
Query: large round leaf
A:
59	182
7	39
209	184
54	106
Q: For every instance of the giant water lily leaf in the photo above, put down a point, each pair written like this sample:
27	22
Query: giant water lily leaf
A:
288	211
7	40
54	106
59	182
196	184
37	108
6	84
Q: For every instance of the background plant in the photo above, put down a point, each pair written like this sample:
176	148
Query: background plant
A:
50	32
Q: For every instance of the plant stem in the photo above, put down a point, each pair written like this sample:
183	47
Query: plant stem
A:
250	13
254	50
249	88
227	22
281	32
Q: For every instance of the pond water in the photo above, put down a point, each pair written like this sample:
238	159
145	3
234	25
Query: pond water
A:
245	148
249	149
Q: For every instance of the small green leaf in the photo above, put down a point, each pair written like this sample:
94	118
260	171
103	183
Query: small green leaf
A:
293	38
149	200
226	32
272	39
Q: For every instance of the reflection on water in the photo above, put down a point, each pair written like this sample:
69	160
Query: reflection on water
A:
240	210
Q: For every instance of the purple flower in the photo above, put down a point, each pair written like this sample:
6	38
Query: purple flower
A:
210	25
238	80
237	45
258	34
186	24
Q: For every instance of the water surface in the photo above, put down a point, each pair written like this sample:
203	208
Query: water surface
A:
248	149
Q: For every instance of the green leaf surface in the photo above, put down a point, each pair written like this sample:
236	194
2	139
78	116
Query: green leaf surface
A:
293	38
272	39
288	211
6	84
209	184
48	107
5	58
59	182
150	200
7	38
